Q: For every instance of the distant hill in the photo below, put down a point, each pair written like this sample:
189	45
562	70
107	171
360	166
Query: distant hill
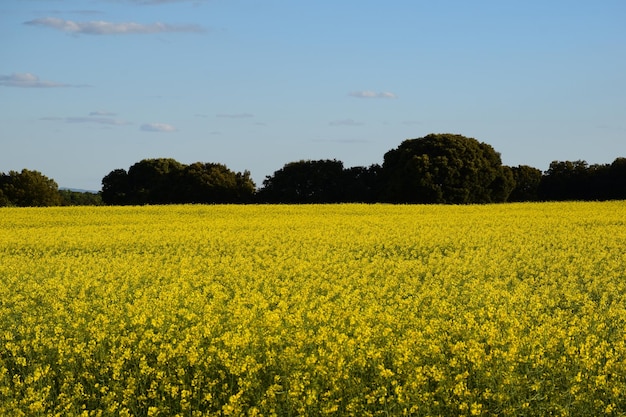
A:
78	190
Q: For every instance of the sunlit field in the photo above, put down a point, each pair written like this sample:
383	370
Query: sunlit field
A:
364	310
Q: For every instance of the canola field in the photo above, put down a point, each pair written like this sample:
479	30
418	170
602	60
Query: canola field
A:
344	310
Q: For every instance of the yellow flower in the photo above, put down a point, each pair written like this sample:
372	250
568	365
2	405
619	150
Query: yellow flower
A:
304	310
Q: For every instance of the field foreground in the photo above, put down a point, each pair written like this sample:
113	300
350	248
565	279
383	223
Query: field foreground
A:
512	310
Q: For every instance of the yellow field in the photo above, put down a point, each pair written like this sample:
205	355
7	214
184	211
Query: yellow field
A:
357	310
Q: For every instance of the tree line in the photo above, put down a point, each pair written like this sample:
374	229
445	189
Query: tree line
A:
28	188
437	168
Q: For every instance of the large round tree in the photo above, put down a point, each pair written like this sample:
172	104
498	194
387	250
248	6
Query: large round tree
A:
445	168
28	189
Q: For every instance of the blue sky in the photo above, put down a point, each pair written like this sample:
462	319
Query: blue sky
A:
94	85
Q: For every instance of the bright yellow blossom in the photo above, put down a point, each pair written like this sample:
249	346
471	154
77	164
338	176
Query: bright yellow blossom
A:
516	309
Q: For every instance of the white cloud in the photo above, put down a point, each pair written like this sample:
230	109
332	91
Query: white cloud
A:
101	27
27	80
372	94
363	94
157	127
345	122
235	115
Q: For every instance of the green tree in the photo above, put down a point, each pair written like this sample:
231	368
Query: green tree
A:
445	168
246	188
115	188
166	181
527	180
361	184
153	181
608	181
80	198
566	180
576	180
213	183
29	189
299	182
617	179
4	201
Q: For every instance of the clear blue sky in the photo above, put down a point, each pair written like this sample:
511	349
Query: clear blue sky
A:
94	85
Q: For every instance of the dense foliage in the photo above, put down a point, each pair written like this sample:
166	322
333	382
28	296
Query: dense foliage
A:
578	181
28	188
33	189
445	169
322	181
80	198
363	310
438	168
167	181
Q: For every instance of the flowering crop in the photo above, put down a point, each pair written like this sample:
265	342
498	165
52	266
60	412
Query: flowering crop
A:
364	310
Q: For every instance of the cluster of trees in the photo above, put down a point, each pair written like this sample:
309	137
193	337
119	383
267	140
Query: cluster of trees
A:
28	188
444	169
434	169
579	181
438	168
167	181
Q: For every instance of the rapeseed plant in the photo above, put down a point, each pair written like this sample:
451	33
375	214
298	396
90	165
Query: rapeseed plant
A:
357	310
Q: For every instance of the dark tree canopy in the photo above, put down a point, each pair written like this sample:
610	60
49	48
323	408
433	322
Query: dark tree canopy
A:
28	189
527	181
304	182
321	181
445	168
213	183
577	180
438	168
566	180
167	181
361	184
153	181
115	187
615	186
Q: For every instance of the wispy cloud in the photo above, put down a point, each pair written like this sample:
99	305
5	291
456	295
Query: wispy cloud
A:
102	113
80	12
345	122
102	27
98	120
109	121
235	115
157	127
28	80
372	94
